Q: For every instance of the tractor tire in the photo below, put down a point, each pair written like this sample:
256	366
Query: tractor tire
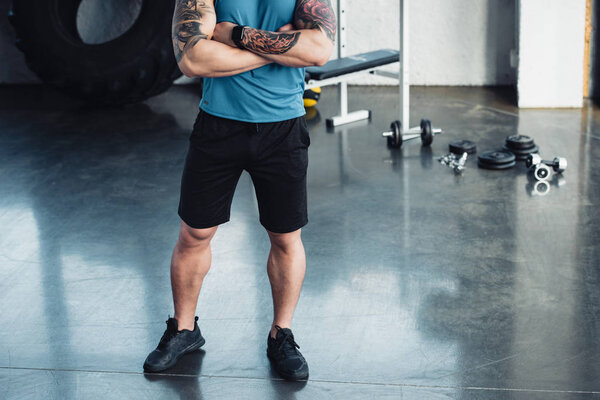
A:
130	68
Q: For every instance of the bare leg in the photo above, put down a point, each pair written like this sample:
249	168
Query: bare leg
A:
189	265
286	268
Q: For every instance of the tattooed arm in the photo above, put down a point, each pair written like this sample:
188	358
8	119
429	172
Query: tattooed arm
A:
193	25
309	43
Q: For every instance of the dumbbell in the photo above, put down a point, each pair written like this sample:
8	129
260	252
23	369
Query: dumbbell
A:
395	138
541	168
559	164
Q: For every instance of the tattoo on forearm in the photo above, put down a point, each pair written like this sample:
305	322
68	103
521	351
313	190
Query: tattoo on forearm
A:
315	14
187	25
264	42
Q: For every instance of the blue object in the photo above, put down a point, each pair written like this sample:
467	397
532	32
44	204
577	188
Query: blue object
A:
268	94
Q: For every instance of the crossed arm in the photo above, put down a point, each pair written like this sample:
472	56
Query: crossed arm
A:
196	54
309	41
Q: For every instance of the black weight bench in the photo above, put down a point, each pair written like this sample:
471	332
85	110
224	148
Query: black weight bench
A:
356	63
347	68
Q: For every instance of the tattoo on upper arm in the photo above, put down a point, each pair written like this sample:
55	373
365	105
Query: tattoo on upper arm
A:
188	20
264	42
315	14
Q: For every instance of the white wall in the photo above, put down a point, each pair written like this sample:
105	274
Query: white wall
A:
551	52
454	42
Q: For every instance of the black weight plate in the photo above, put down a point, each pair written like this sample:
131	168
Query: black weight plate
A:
426	132
462	146
395	141
528	150
521	155
519	142
496	157
497	167
391	142
521	158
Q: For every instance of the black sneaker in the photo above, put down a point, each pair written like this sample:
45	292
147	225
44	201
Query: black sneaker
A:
173	345
285	357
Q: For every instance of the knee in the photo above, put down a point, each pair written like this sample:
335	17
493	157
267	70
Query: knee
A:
190	238
285	241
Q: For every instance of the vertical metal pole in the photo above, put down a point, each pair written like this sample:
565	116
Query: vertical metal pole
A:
341	36
404	88
404	66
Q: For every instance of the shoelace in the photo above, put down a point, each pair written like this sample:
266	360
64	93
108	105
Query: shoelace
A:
170	333
288	345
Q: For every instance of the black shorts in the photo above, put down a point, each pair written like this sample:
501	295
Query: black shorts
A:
276	156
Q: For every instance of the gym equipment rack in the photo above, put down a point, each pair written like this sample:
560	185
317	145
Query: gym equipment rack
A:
344	69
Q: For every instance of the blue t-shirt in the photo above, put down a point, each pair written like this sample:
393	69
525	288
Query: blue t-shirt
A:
268	94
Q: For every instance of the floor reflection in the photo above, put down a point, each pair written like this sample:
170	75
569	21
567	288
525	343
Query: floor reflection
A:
416	276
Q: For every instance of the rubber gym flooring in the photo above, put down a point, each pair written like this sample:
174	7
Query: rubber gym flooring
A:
420	284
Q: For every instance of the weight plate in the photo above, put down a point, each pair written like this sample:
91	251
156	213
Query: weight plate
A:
395	141
462	146
519	142
532	159
560	164
542	172
496	167
527	151
390	141
426	132
497	157
521	155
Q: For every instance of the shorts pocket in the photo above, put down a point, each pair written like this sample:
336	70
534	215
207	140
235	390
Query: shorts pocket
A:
298	142
298	163
197	129
304	132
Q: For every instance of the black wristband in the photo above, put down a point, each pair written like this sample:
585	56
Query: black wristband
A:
236	35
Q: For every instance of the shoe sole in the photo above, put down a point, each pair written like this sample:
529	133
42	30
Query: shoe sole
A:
288	376
189	349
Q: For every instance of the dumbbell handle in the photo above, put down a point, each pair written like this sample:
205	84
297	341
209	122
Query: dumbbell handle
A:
556	164
436	131
545	162
411	136
403	137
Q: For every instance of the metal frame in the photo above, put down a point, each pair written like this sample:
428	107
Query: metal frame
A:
344	116
348	77
402	76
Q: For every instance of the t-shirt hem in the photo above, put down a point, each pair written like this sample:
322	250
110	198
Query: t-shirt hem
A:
253	120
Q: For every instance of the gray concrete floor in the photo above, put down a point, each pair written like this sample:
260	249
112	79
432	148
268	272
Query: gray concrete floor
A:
420	284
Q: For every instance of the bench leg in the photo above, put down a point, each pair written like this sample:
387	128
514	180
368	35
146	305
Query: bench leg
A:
348	118
345	117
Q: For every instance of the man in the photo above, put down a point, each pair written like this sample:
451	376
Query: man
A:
251	54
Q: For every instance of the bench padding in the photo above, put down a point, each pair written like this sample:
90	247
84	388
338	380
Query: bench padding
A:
347	65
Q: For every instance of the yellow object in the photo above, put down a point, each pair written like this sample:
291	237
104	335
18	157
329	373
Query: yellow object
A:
311	97
311	113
